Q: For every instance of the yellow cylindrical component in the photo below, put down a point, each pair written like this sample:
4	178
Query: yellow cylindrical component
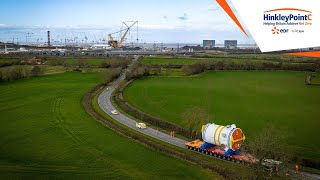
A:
230	136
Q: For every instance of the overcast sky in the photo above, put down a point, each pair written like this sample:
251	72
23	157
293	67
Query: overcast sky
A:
167	21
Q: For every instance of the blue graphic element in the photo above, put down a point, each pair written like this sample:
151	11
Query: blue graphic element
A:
206	145
231	152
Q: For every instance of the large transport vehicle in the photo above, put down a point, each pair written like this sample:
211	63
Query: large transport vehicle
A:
222	142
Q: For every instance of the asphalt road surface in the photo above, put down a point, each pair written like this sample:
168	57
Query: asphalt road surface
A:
104	101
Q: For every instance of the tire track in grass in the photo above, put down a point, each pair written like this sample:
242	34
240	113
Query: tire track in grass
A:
68	130
81	142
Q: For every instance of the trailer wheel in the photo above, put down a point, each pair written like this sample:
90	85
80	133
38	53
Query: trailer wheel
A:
233	160
238	161
229	159
211	154
214	154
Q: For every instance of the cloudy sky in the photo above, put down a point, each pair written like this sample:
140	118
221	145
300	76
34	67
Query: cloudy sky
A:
167	21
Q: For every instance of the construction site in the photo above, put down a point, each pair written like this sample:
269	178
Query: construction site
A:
124	41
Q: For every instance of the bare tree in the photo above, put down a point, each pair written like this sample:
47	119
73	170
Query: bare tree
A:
270	143
194	118
109	75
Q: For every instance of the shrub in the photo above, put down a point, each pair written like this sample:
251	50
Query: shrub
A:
137	71
193	68
110	74
15	73
36	71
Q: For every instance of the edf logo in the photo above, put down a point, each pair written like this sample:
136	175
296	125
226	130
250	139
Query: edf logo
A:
278	31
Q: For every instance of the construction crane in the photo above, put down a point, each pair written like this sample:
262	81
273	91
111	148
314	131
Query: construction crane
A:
117	44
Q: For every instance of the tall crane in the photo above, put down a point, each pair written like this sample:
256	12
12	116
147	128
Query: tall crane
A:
117	44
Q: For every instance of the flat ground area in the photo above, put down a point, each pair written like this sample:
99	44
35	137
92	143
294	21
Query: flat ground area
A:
249	99
45	132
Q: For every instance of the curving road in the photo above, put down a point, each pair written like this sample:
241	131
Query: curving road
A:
104	101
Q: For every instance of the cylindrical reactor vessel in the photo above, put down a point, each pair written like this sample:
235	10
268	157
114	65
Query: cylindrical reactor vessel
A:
230	136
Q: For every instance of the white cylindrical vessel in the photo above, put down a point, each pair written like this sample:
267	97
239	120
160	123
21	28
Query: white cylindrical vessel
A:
230	136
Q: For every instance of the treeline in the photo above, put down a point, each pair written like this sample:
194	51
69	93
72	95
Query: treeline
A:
270	57
114	69
116	62
10	61
201	66
110	74
137	71
84	62
20	72
221	65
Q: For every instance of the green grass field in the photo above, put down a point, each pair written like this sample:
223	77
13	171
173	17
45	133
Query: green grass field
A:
167	60
46	133
249	99
2	60
185	61
227	58
91	61
264	56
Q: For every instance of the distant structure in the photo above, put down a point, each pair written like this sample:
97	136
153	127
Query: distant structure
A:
230	44
208	44
49	45
8	47
101	46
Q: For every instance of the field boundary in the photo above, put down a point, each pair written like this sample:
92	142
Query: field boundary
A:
107	121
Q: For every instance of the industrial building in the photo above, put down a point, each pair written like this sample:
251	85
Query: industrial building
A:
8	47
207	44
230	44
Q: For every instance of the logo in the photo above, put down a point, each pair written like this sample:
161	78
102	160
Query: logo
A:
275	30
287	16
279	26
290	19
